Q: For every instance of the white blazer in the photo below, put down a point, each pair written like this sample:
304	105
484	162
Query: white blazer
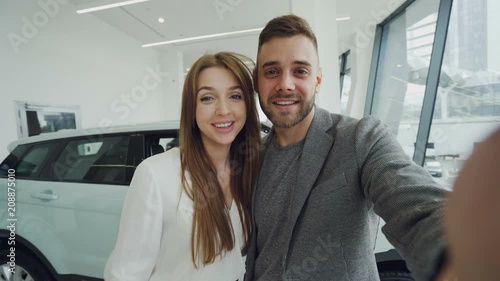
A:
154	239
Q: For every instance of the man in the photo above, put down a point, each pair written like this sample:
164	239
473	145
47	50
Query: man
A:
326	176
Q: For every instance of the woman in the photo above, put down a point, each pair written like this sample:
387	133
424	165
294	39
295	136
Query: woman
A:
187	213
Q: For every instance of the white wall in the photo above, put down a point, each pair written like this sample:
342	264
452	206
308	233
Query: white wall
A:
71	59
361	55
320	15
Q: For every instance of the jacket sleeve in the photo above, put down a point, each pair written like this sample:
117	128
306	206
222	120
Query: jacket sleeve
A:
138	243
404	195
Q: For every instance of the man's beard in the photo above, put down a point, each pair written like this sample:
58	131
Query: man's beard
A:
287	119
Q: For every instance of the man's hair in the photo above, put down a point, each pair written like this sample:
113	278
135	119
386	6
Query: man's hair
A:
286	26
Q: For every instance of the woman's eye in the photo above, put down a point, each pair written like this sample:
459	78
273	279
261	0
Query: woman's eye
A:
236	96
205	99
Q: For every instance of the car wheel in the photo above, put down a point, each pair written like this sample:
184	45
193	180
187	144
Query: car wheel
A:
395	276
26	268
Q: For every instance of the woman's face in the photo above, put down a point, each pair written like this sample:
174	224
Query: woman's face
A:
220	107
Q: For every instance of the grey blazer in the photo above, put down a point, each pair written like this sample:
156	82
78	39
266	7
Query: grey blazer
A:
350	171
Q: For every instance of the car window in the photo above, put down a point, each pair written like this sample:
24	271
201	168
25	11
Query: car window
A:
12	159
32	162
158	142
90	160
169	143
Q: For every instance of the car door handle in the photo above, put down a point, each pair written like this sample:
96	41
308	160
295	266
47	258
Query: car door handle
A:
45	195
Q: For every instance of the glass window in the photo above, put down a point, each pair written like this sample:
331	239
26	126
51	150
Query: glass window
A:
12	159
345	80
402	71
102	160
169	143
345	91
32	162
40	119
468	99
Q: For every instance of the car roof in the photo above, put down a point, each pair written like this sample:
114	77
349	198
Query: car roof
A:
142	127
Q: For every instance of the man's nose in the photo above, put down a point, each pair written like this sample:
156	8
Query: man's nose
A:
285	83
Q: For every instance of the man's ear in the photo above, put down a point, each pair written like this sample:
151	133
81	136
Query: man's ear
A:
319	78
255	81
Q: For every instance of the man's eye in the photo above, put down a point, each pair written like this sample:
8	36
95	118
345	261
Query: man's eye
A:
302	71
271	72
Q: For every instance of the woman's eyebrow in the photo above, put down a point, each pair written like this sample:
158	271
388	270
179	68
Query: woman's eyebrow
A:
205	88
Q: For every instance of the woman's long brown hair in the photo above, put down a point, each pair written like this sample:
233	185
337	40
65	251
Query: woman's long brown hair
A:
212	232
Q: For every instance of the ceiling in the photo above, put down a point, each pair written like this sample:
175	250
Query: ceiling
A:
364	14
189	18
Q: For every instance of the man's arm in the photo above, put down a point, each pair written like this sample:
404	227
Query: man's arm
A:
404	195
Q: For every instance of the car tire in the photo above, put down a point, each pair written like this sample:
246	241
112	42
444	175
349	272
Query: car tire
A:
395	276
26	267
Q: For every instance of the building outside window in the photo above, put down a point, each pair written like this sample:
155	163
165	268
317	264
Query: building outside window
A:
467	102
469	88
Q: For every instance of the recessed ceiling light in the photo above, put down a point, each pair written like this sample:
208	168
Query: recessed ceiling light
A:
399	65
343	18
218	35
104	7
161	20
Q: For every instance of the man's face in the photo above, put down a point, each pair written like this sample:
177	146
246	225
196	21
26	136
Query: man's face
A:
288	76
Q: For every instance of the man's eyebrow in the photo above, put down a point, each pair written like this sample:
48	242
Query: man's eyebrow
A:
273	63
270	63
302	62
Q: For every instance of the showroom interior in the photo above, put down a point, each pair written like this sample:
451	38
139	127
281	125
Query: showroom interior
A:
429	69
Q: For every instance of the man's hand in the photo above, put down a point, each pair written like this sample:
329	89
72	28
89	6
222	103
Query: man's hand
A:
447	273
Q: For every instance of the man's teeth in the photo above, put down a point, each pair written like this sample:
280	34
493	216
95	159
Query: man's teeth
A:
223	125
285	102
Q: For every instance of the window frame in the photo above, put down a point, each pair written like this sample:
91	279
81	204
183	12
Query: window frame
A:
54	146
138	149
343	68
20	107
64	142
433	77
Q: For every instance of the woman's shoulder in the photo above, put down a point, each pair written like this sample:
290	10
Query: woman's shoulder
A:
165	161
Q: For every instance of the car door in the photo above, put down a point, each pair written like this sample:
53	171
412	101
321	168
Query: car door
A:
33	208
72	209
90	182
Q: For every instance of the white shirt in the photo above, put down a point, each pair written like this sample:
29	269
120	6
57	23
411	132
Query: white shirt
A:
154	239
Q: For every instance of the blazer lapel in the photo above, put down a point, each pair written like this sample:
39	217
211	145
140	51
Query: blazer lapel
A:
316	147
